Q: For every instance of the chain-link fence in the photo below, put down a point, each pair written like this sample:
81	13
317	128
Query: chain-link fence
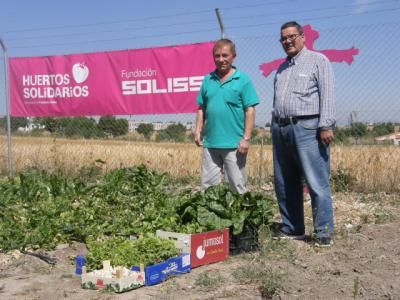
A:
365	155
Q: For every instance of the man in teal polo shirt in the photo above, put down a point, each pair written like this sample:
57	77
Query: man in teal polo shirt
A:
226	114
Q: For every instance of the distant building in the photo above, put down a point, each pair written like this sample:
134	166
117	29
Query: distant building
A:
190	126
394	137
31	126
133	125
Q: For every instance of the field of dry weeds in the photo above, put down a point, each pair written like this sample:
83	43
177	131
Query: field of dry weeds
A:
370	168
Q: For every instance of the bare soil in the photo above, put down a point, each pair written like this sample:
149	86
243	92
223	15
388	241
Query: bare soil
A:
363	263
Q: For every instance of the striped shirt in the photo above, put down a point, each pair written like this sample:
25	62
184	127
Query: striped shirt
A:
305	85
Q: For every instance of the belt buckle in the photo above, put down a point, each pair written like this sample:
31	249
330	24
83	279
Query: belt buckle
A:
281	120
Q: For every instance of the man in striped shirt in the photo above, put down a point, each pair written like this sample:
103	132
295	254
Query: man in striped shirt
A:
303	118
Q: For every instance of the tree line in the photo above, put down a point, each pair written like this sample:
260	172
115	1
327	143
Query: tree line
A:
359	131
90	128
110	126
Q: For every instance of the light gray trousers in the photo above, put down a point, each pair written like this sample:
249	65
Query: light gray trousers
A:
230	162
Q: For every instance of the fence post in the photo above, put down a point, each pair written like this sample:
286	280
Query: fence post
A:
7	94
221	24
260	165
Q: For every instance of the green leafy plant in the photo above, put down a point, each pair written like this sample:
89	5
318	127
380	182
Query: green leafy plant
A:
148	250
218	208
42	209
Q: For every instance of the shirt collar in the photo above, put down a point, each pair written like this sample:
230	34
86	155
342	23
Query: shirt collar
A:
294	60
234	75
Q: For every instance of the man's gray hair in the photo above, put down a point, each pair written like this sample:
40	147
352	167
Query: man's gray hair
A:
292	24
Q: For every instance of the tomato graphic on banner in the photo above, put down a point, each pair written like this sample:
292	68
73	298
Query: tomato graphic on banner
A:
80	72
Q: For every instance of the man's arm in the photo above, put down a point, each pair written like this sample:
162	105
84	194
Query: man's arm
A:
326	84
248	127
199	126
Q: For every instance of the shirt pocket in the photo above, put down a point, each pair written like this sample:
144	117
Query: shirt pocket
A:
232	97
302	85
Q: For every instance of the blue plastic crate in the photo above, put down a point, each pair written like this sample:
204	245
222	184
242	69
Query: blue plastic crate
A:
174	266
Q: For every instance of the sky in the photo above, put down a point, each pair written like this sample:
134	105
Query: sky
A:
368	88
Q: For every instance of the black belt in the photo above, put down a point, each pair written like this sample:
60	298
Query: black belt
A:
292	120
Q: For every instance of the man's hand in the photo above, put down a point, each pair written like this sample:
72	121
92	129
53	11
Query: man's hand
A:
326	136
244	146
199	126
197	139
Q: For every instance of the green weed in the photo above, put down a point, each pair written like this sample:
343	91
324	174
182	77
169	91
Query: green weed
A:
276	249
209	279
259	272
382	216
342	180
356	288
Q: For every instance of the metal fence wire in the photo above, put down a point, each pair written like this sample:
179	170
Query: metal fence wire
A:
365	155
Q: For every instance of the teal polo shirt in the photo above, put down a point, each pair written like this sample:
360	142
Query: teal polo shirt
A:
225	105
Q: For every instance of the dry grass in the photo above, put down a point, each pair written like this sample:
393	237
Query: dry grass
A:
71	155
375	168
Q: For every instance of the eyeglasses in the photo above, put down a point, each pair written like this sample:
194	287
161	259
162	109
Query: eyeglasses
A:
290	37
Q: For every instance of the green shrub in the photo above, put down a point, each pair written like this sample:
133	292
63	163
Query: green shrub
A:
342	180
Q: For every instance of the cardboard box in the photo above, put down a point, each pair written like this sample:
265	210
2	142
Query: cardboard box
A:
174	266
204	248
95	281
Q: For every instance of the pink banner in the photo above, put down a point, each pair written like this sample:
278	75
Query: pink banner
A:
145	81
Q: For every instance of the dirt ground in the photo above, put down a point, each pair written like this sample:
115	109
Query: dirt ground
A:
363	263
